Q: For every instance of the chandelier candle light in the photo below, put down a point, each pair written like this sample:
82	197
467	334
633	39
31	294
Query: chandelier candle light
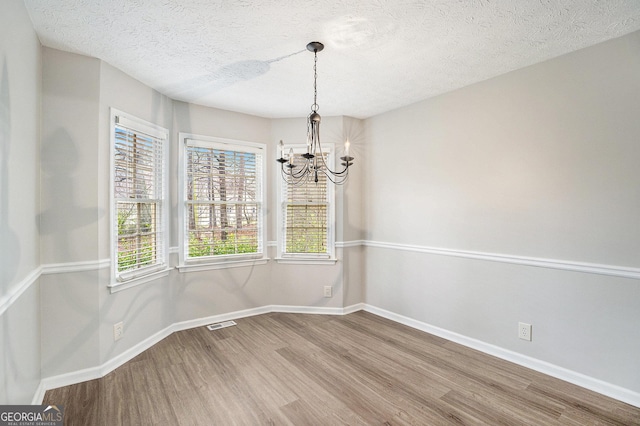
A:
313	160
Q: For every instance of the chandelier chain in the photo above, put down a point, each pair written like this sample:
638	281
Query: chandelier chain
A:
315	106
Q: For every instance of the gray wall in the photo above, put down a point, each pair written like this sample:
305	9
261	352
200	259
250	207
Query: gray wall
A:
20	87
540	163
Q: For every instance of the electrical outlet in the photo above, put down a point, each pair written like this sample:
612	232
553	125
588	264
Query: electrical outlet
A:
118	331
328	291
524	331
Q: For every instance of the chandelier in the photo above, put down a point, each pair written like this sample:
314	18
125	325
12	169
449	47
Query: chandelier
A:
313	162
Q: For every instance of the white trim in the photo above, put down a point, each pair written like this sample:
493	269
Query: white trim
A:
67	379
589	268
142	126
138	274
38	395
104	369
107	367
143	279
338	244
353	243
596	385
63	268
306	260
354	308
17	291
316	310
249	146
222	265
566	265
201	322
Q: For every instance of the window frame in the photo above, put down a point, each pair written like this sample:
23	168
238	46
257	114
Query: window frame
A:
329	257
186	263
126	279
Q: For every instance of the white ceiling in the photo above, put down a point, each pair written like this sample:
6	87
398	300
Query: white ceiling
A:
250	56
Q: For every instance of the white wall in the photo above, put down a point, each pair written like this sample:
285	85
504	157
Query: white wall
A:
350	224
20	87
70	212
538	163
80	312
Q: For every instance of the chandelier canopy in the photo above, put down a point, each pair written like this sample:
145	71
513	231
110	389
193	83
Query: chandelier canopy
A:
313	161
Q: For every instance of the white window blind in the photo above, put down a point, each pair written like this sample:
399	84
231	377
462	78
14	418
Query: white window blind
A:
138	192
223	200
305	215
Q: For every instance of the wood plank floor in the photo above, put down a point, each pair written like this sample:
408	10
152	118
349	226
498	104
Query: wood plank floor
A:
357	369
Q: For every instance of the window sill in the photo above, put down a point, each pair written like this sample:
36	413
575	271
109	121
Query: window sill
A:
119	286
192	267
306	260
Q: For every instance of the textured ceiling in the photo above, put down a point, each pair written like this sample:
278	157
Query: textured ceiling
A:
249	55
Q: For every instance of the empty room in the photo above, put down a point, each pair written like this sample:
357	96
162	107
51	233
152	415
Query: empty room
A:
320	213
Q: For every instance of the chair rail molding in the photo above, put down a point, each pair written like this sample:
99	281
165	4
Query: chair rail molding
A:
566	265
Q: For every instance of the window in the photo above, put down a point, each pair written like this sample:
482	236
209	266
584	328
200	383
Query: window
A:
223	196
306	215
138	194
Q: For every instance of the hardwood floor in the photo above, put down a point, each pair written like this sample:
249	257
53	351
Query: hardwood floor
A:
357	369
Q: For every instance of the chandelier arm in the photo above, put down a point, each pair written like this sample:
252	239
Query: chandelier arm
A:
299	177
324	163
303	171
287	177
337	179
296	181
336	173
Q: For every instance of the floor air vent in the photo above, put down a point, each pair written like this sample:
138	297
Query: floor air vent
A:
220	325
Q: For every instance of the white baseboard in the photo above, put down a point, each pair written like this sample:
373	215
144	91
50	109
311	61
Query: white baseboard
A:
38	396
317	310
84	375
92	373
354	308
596	385
200	322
